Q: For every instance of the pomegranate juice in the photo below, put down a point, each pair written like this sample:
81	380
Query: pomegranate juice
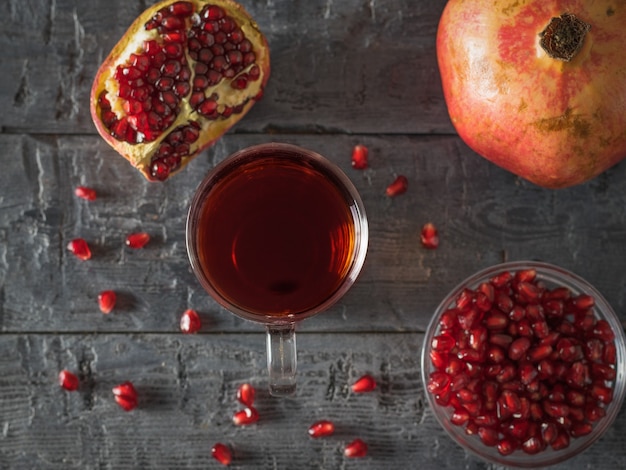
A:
276	236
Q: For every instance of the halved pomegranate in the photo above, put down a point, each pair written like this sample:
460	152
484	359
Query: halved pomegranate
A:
180	77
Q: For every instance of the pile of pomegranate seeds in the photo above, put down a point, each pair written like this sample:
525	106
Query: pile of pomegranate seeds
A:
83	192
190	322
137	240
222	453
68	381
355	449
399	186
429	236
521	366
359	157
79	248
106	301
125	396
366	383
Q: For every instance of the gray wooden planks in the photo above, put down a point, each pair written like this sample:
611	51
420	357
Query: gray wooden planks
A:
484	215
187	388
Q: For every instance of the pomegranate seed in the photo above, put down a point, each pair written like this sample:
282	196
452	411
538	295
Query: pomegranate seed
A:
518	348
246	416
443	343
438	382
106	301
364	384
355	449
430	237
246	394
137	240
68	381
460	417
323	428
85	193
79	248
190	322
359	157
222	453
399	186
489	436
533	445
125	396
506	447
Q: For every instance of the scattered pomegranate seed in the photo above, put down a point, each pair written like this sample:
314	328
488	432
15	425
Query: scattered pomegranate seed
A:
137	240
429	236
355	449
323	428
359	157
364	384
106	301
190	321
222	453
399	186
68	381
125	395
246	416
523	367
246	394
83	192
79	248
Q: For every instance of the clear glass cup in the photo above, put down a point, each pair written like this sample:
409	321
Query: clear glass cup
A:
276	234
551	276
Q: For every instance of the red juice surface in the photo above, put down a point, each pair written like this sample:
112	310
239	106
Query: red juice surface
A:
276	237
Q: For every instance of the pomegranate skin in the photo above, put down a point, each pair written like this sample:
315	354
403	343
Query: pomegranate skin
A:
555	123
225	102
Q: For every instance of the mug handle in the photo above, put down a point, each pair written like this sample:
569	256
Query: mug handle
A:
281	359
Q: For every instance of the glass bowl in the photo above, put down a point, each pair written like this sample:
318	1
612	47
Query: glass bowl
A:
445	399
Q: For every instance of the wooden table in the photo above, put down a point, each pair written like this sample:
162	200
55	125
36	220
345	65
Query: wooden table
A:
344	73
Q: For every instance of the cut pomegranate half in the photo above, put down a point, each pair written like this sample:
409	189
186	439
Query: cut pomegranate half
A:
179	78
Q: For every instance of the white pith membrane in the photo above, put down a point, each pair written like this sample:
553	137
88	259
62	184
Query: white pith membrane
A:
241	100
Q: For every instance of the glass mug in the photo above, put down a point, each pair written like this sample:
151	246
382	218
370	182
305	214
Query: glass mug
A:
276	234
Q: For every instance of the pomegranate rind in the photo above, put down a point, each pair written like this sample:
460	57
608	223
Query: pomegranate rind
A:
139	155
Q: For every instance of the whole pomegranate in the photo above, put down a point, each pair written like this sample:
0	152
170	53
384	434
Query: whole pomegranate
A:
537	87
179	78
